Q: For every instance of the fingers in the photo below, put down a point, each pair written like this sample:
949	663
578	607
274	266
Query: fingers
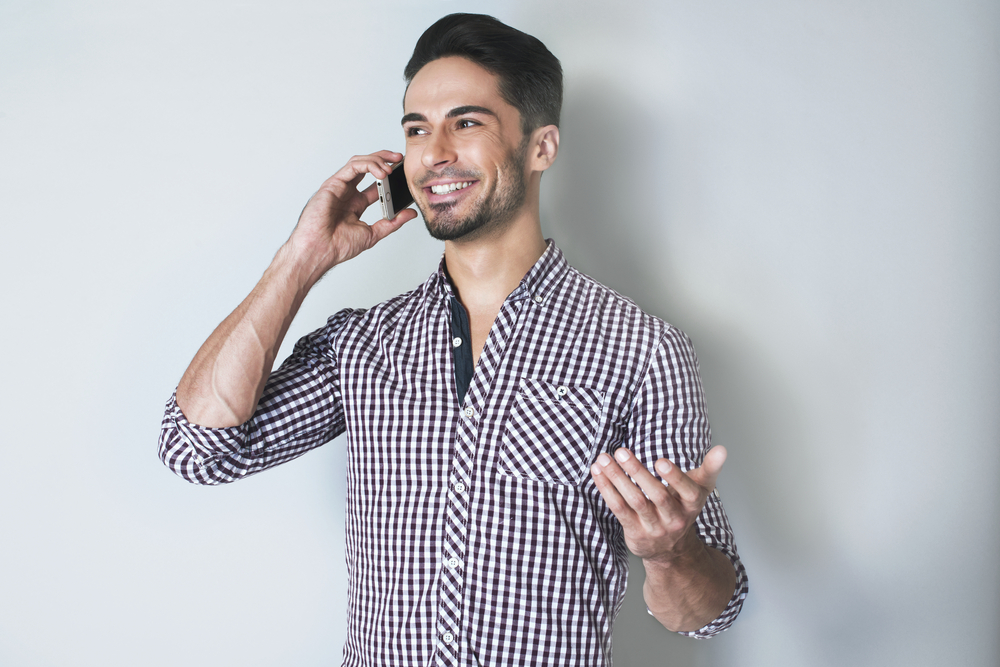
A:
684	493
370	194
688	491
384	227
690	485
377	164
712	465
648	486
604	473
341	188
390	157
383	162
625	498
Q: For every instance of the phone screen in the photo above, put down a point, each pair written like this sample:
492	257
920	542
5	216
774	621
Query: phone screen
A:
401	197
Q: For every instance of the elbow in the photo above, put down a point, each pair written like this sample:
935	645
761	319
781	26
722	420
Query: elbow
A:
184	460
188	466
214	412
195	453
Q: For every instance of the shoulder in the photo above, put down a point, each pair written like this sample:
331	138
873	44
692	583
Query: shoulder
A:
613	313
644	342
351	322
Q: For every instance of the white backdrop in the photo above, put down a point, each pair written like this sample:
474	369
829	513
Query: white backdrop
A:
823	221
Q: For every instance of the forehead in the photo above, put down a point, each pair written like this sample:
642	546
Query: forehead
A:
451	82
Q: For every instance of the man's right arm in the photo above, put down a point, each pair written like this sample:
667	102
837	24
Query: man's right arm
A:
224	382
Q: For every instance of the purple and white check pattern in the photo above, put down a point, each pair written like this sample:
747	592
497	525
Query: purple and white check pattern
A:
475	535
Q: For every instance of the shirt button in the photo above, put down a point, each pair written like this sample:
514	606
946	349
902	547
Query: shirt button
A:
460	488
469	412
562	391
538	298
452	563
456	342
448	637
716	492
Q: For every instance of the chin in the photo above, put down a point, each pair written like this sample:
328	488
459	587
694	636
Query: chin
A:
454	232
444	224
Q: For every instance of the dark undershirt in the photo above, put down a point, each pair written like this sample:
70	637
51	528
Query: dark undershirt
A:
463	351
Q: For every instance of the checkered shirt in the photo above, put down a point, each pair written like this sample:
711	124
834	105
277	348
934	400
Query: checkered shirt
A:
475	534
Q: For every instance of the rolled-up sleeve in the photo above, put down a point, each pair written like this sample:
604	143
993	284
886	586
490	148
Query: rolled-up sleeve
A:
668	420
301	408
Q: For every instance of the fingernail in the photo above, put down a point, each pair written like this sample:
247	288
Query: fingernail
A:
596	469
604	459
622	454
664	466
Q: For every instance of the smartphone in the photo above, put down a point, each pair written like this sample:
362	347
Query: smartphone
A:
393	192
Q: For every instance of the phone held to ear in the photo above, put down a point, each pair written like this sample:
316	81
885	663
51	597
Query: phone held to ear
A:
393	192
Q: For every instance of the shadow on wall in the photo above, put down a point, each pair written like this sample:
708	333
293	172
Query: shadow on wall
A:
611	149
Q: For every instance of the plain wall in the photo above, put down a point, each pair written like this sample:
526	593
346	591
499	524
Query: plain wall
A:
811	190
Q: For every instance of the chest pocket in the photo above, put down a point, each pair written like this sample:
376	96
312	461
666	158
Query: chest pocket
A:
550	434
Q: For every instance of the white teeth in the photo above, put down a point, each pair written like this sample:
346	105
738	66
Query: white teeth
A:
450	187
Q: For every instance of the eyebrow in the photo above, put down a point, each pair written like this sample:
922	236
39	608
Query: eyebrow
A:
454	113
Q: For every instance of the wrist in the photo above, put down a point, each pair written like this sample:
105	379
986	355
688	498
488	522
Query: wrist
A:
688	549
690	587
299	265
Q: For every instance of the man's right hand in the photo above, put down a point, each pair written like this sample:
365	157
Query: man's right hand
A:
225	380
330	229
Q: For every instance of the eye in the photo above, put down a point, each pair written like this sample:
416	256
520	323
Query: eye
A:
466	122
414	131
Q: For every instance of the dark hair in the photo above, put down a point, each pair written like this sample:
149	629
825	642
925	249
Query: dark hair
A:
530	77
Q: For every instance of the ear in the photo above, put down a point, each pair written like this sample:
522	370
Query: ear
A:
543	148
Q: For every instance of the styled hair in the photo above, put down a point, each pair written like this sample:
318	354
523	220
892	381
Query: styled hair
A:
530	77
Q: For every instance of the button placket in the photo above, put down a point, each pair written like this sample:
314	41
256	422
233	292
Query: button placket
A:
452	580
455	560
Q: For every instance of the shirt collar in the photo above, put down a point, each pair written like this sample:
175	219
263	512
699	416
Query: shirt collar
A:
540	280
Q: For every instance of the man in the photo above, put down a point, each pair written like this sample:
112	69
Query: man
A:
486	522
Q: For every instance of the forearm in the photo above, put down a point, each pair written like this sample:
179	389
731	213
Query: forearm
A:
691	588
225	380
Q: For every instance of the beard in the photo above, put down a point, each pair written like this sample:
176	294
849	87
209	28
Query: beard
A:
491	213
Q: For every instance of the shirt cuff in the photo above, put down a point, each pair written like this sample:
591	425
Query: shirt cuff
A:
193	451
732	610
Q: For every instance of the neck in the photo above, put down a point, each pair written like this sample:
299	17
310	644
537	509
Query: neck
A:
486	270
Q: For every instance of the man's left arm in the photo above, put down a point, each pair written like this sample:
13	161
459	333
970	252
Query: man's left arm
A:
694	581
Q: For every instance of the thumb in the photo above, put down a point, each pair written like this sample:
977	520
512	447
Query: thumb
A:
384	227
710	468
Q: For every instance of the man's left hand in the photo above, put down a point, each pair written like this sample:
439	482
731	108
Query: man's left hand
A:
657	518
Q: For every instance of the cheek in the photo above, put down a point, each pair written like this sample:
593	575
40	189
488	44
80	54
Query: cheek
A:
493	152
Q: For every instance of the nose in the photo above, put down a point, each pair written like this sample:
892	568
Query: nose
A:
439	151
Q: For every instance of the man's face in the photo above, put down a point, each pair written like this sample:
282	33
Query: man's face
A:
465	152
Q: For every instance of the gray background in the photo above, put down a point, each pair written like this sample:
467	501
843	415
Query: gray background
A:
821	216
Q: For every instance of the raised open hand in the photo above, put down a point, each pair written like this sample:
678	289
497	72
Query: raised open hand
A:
657	518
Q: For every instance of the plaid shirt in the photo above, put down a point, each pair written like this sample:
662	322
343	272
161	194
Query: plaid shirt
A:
475	534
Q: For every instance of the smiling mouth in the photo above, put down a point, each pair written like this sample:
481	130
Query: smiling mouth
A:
450	187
